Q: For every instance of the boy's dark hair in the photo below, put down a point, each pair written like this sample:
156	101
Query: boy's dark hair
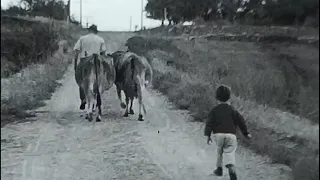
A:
223	93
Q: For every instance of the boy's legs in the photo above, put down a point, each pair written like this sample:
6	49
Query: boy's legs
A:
219	139
229	150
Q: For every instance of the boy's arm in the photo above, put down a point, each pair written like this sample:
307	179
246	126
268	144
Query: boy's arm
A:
240	122
209	124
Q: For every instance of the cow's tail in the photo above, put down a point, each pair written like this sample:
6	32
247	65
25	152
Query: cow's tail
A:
97	64
133	63
149	74
133	67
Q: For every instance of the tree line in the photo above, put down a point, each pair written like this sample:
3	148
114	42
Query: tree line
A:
278	12
55	9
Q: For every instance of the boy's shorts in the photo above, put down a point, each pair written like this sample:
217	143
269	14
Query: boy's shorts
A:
226	148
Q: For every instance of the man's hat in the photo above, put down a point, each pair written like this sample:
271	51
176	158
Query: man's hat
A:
93	28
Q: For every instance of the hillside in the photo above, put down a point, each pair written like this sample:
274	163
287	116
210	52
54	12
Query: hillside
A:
29	40
269	79
34	54
291	52
244	32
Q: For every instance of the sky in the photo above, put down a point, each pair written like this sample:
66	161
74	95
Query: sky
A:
108	15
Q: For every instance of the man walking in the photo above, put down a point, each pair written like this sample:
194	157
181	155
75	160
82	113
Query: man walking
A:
86	46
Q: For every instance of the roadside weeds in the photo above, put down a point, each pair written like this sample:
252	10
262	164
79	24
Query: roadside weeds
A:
285	138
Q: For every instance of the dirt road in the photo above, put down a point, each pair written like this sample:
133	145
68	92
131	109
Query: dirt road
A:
61	145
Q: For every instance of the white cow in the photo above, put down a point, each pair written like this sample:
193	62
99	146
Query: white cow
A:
131	73
95	74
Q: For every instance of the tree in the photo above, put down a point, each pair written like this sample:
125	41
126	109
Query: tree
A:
279	12
74	21
154	8
177	10
14	10
55	9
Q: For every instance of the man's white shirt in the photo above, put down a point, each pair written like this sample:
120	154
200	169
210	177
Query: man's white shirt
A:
90	43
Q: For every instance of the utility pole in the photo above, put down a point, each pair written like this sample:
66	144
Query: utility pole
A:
130	23
81	13
141	14
68	11
87	24
87	20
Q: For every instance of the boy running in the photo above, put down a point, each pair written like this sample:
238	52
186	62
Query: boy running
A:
223	121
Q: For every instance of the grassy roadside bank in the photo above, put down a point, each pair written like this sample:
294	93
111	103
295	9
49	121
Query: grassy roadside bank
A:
286	138
24	92
32	60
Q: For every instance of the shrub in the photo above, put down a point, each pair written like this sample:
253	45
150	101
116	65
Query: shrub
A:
24	41
31	48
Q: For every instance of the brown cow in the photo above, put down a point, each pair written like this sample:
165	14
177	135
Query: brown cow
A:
95	74
131	72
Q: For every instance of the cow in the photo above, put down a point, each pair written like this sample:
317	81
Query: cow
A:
95	74
131	73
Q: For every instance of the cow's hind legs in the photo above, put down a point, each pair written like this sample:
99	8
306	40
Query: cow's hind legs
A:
126	114
131	104
82	98
140	118
90	102
89	115
98	118
123	106
139	93
93	109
